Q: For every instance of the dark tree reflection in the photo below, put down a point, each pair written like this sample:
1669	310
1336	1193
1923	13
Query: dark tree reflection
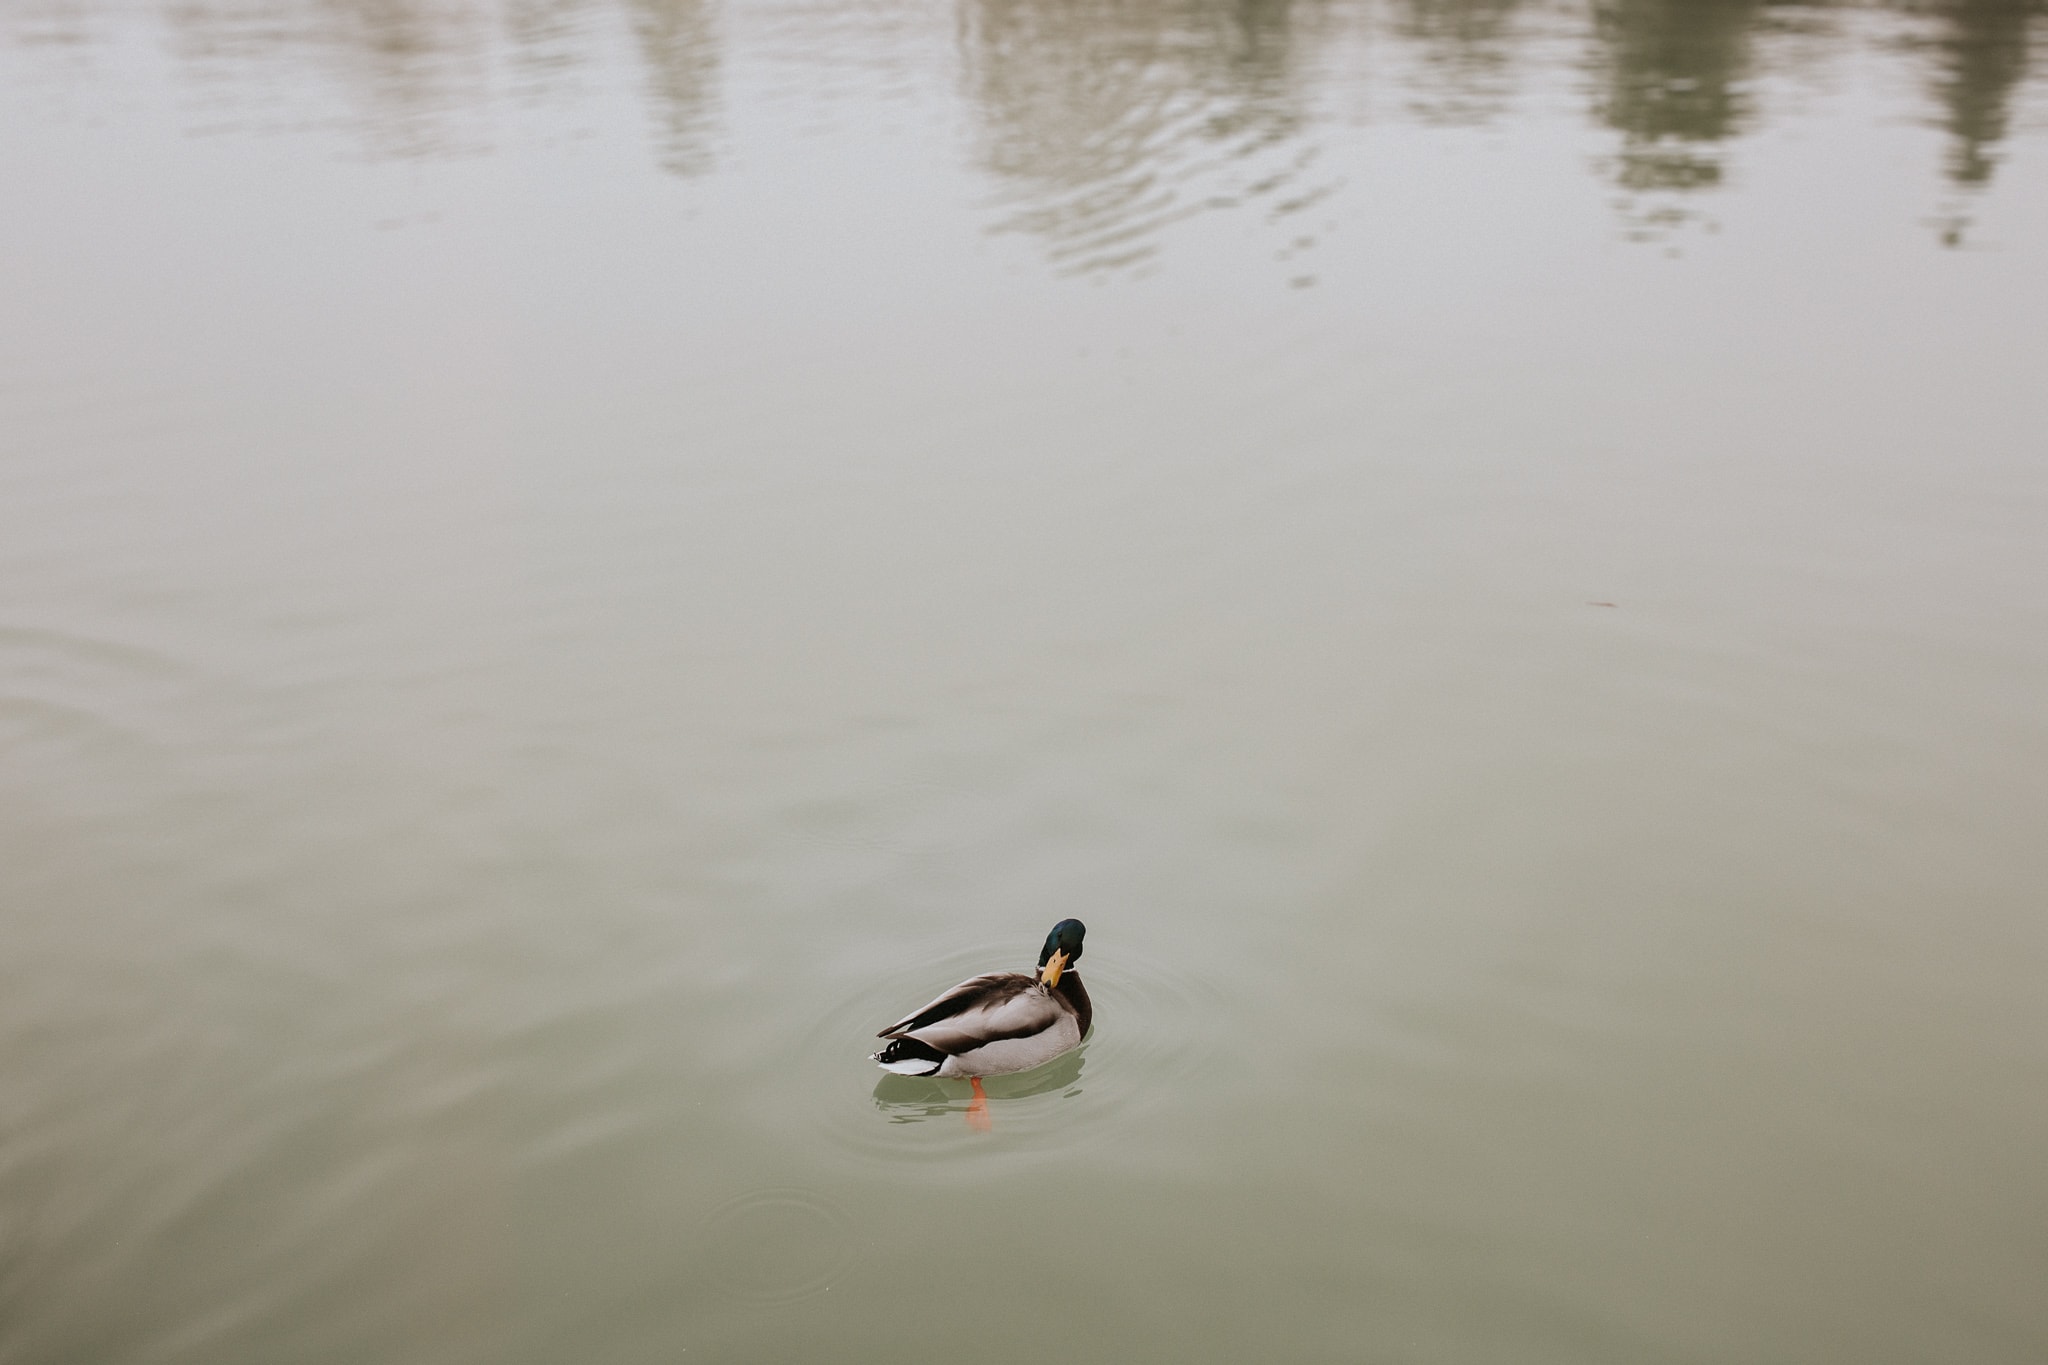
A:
1672	76
1979	54
1981	59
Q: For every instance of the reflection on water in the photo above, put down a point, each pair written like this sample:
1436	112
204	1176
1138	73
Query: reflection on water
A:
1105	124
1110	123
1982	56
1464	51
913	1099
1672	76
1113	121
410	65
678	41
417	77
1980	61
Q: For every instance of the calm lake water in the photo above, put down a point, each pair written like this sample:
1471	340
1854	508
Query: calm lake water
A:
562	562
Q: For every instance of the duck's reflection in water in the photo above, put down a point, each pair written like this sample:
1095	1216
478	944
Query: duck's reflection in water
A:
914	1099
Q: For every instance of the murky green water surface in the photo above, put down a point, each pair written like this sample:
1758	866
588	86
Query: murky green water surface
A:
562	562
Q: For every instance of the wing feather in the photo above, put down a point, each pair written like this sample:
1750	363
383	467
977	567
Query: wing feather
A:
1028	1012
972	996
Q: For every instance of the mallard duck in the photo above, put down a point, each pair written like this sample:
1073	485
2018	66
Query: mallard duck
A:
999	1023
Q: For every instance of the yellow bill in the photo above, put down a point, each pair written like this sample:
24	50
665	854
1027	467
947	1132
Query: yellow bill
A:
1054	965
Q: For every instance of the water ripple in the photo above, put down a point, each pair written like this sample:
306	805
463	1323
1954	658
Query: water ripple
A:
777	1245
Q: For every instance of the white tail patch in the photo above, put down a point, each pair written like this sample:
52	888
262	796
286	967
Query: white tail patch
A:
908	1066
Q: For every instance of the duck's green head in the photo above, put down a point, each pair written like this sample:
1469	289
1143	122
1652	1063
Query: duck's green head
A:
1062	950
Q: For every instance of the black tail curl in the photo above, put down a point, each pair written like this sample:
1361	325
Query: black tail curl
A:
908	1050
